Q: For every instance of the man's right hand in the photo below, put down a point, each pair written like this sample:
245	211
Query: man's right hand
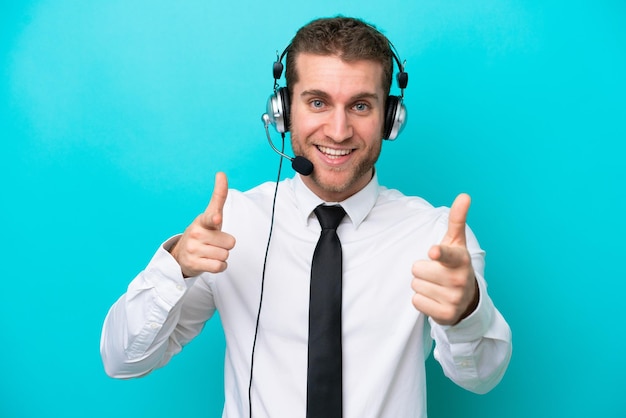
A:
203	247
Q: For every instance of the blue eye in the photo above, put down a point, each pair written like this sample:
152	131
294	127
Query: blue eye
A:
361	107
317	104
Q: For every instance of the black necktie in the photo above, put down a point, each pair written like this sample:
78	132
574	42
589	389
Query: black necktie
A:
324	369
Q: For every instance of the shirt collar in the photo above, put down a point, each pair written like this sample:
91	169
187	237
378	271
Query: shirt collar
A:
356	206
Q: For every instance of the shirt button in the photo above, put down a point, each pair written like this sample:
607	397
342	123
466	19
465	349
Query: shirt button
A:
179	287
154	325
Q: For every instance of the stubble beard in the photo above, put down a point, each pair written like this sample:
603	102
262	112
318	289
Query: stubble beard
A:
361	169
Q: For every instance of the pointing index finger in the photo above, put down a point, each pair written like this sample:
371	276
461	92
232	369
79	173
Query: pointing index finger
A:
213	212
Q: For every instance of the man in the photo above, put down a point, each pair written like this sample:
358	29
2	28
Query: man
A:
411	273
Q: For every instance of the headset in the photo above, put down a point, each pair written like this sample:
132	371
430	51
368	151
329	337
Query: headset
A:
278	104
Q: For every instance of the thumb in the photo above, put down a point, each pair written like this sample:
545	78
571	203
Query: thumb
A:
457	220
212	217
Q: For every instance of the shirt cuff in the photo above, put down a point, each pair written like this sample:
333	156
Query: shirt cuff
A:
165	269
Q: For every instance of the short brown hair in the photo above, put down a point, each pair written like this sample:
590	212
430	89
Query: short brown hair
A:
349	38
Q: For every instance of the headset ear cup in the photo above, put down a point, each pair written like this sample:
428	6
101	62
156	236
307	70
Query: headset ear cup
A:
278	110
390	114
395	116
286	106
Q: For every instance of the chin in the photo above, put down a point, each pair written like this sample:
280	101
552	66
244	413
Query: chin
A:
336	183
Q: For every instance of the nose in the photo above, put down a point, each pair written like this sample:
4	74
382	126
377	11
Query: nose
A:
338	126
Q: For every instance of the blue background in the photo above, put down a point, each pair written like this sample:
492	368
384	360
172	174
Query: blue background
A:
115	115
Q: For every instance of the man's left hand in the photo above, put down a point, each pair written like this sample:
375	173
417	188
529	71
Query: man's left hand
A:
445	286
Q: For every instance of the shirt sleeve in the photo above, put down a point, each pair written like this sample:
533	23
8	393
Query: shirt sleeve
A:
159	313
476	352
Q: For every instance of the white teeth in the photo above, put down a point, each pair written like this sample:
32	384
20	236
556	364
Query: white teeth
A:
334	152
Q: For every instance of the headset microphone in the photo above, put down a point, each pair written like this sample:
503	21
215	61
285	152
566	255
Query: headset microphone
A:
298	163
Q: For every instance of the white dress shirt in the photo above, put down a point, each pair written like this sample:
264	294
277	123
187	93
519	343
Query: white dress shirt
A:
385	339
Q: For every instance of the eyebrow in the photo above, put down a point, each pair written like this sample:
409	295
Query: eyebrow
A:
324	95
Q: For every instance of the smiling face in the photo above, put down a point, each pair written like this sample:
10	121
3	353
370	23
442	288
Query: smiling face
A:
337	115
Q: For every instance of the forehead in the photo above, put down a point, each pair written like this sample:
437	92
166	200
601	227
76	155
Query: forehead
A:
330	72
